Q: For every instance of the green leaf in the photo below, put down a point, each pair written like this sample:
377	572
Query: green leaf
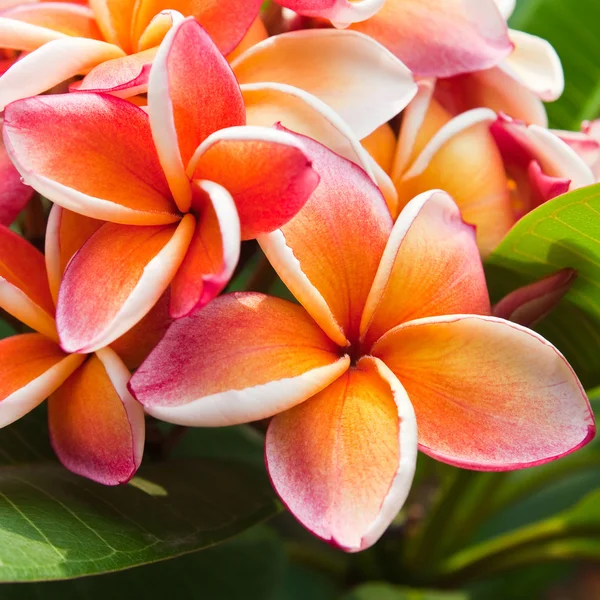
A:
566	25
250	567
564	232
55	525
384	591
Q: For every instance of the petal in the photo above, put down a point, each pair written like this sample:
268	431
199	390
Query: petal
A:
31	368
586	144
257	33
96	427
134	346
430	267
66	232
529	304
506	7
488	394
115	19
244	357
339	12
226	21
105	167
317	255
462	159
381	145
155	33
343	461
191	94
52	64
213	252
545	187
123	77
535	63
266	171
19	35
14	195
64	17
115	279
24	291
491	88
441	39
356	76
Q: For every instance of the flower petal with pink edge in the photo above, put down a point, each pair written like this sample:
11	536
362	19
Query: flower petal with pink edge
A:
24	291
105	167
340	12
363	82
343	461
66	232
115	279
529	304
31	368
244	357
489	395
64	17
586	143
257	33
19	35
266	171
155	33
213	252
52	64
317	255
545	187
96	428
115	19
191	94
535	63
430	267
226	21
14	194
441	39
123	77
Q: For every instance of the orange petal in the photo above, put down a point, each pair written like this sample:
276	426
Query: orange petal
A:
134	346
123	77
31	368
343	461
347	70
155	33
226	21
24	291
381	145
66	232
244	357
191	94
96	427
257	33
431	266
213	253
463	159
52	64
104	167
266	171
64	17
441	39
115	279
115	18
488	394
317	255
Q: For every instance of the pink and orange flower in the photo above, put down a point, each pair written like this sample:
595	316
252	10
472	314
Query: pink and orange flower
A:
393	330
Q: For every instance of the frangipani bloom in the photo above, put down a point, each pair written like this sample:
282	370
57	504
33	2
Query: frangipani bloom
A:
532	73
496	168
586	143
393	331
171	186
96	427
65	40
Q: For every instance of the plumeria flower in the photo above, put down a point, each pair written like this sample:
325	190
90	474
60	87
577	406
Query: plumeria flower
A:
96	427
496	168
179	187
65	39
392	331
532	73
586	143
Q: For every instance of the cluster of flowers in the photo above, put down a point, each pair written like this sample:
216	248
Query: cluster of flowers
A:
176	129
